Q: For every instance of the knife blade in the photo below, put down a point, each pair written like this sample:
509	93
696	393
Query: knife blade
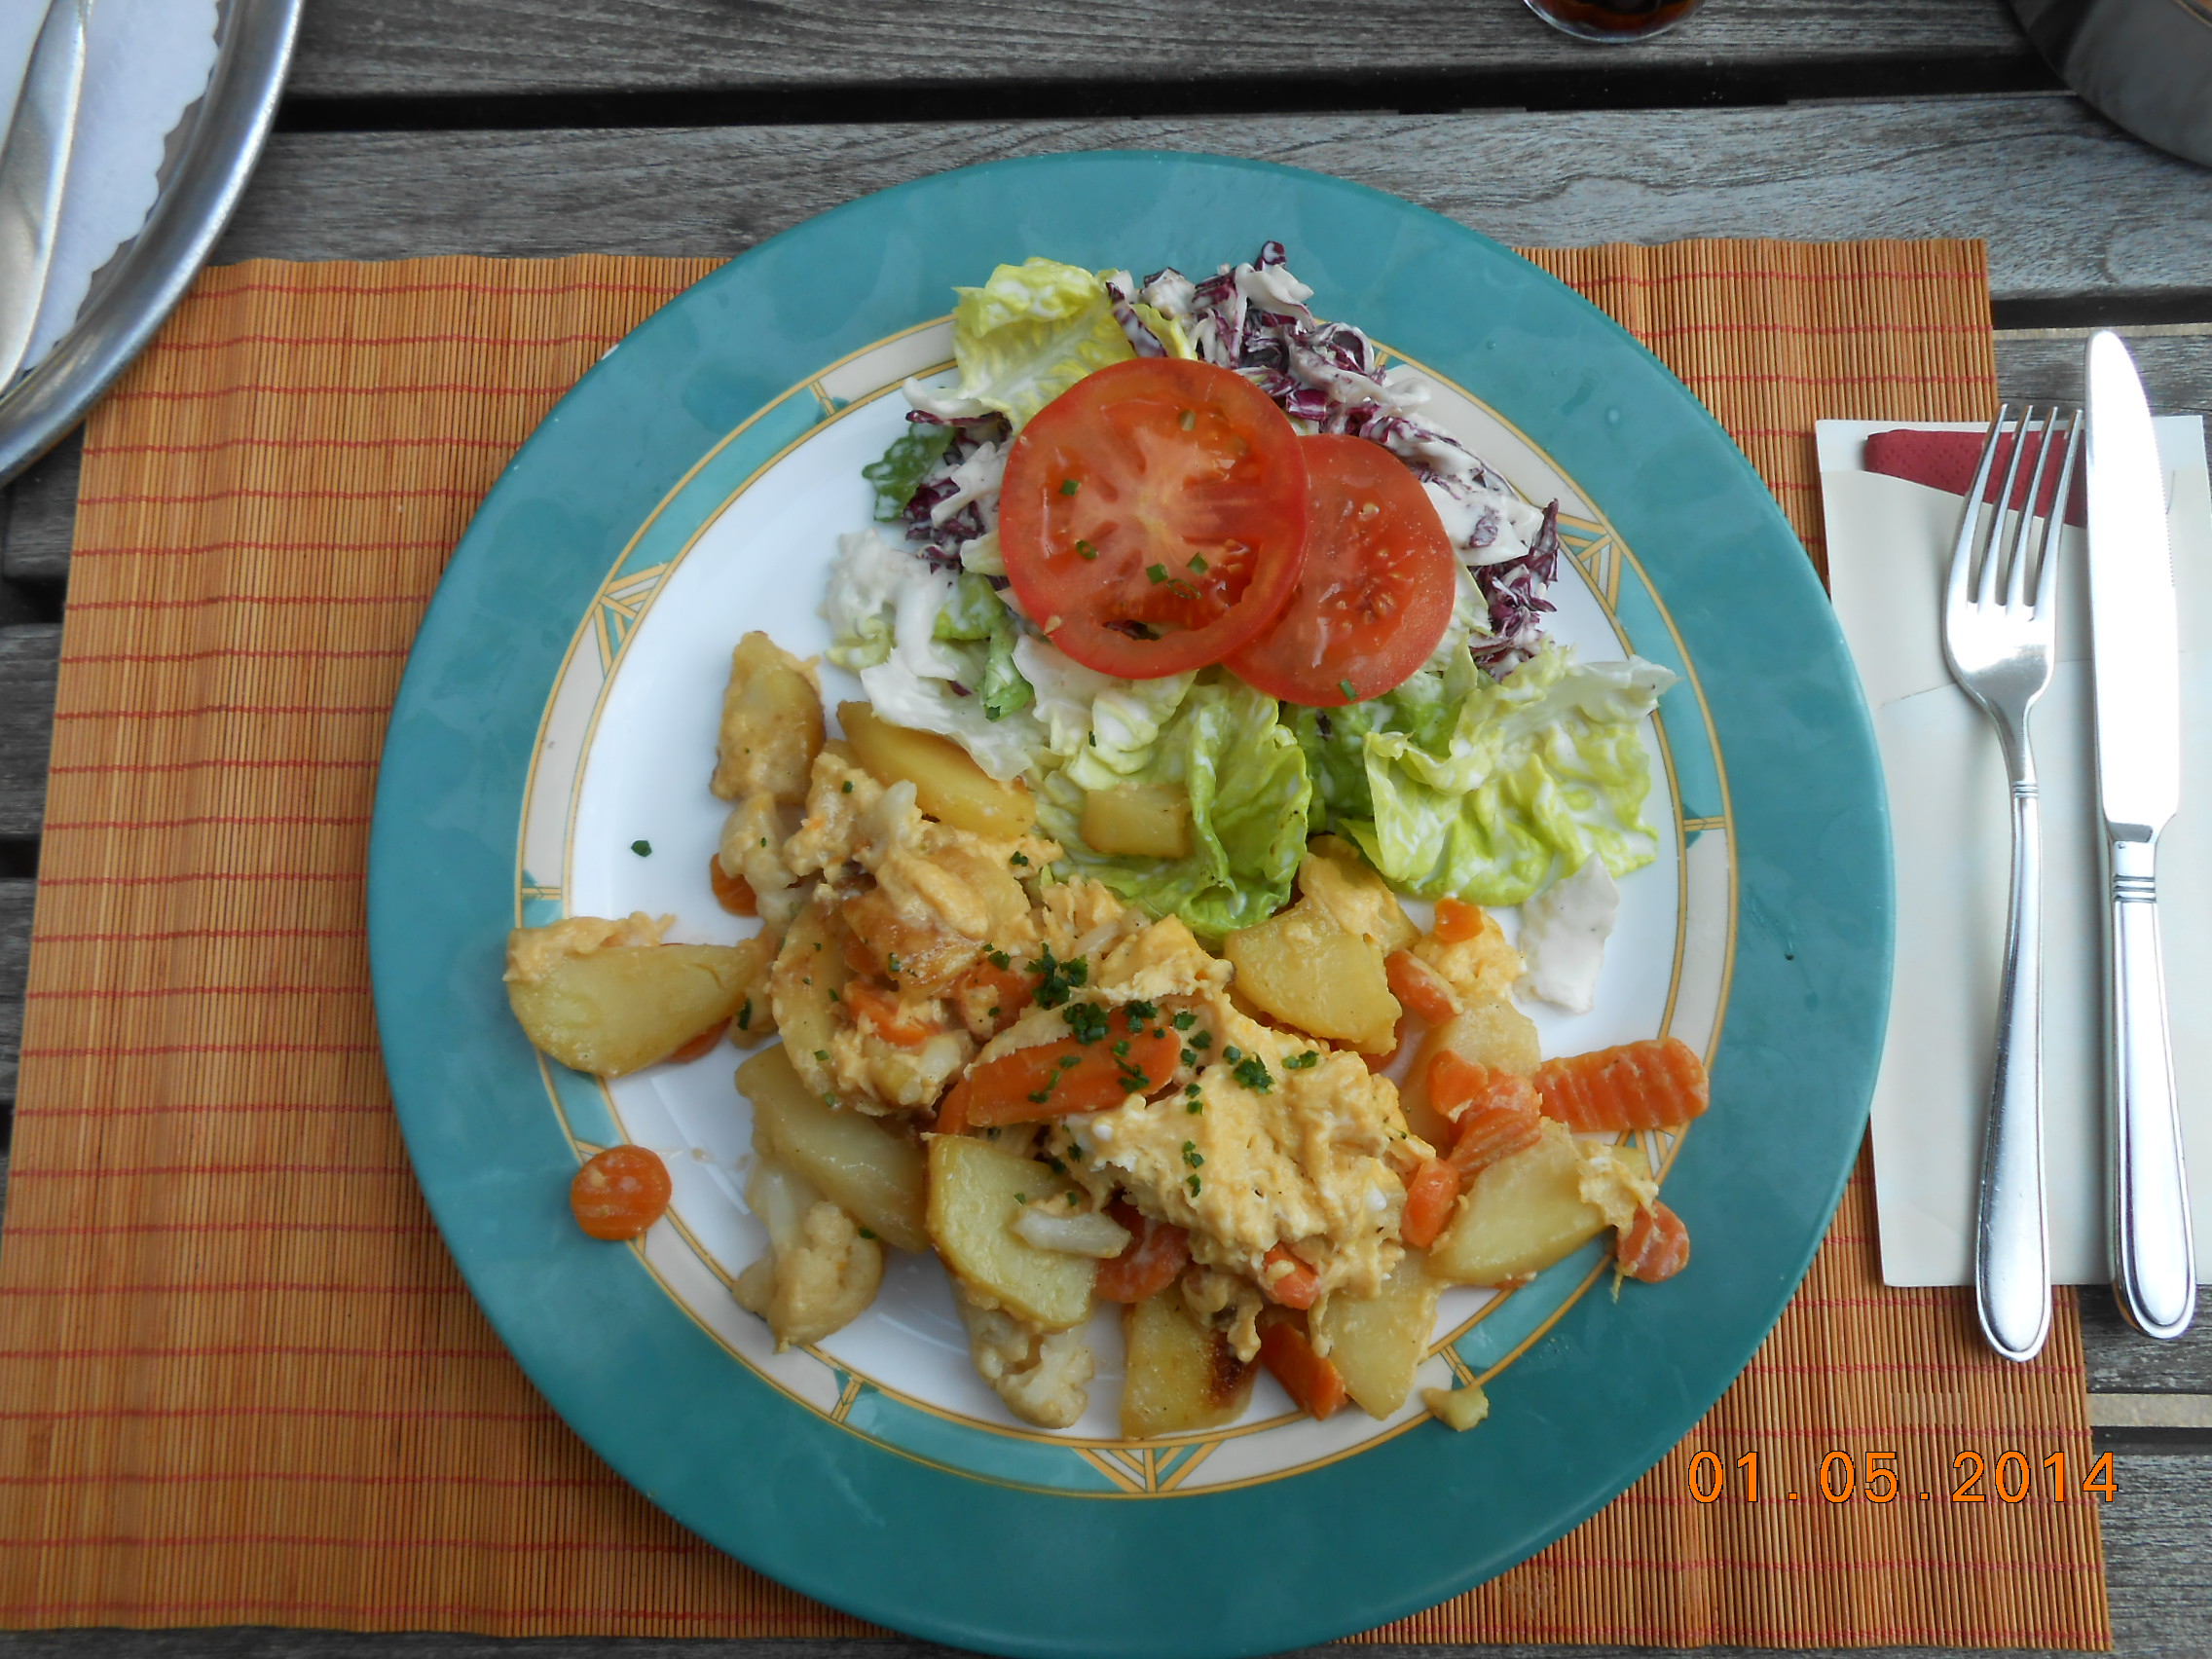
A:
33	167
2135	666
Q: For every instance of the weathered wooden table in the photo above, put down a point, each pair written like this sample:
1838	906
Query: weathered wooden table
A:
699	126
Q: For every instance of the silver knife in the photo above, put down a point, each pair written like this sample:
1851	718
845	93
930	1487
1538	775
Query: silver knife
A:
32	168
2135	654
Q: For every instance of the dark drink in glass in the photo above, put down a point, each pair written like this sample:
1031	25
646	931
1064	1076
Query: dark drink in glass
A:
1613	19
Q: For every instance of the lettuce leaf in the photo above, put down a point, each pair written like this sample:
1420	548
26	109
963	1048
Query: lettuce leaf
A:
976	623
934	650
905	464
1490	790
1226	745
1031	332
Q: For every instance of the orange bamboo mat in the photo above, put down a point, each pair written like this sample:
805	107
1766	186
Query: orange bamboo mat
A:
240	1379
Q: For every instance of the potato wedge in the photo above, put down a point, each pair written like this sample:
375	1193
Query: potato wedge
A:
1523	1213
976	1193
1376	1342
948	785
1181	1374
1146	821
1303	970
1350	889
810	973
772	726
626	1005
1494	1035
876	1177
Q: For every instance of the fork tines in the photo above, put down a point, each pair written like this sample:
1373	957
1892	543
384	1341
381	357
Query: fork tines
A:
2003	553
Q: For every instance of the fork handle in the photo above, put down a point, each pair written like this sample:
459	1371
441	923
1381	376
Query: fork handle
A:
2153	1267
2011	1263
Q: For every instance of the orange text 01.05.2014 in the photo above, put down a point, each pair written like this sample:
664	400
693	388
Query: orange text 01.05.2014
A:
1875	1477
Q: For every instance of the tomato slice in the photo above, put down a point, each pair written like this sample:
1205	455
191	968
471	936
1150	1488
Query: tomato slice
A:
1153	516
1376	594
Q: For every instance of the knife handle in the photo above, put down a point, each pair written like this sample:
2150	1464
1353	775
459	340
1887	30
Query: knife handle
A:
2153	1270
2012	1258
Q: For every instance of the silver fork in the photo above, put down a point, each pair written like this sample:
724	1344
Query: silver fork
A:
2000	652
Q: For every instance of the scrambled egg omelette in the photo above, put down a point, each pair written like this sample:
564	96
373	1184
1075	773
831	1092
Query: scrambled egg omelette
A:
1073	1102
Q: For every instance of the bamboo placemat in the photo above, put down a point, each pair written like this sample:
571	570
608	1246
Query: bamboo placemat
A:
241	1380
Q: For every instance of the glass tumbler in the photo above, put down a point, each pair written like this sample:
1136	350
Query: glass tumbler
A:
1613	19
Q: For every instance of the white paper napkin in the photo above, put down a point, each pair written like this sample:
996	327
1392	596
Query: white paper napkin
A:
146	62
1889	549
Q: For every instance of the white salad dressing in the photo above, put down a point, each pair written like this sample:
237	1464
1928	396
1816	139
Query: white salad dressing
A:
1564	931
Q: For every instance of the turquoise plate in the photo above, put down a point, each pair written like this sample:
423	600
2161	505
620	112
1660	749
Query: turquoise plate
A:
825	1469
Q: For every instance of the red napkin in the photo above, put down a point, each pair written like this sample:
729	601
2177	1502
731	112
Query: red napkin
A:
1945	461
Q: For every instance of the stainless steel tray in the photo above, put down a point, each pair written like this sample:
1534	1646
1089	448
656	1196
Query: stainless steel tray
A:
211	154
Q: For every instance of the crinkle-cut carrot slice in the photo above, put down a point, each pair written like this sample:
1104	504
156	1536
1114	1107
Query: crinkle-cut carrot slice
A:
1488	1133
733	892
1312	1381
1429	1197
1421	987
1158	1250
1657	1083
1656	1246
1457	921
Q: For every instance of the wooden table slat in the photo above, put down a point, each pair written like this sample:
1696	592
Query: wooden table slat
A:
29	657
15	895
2071	208
356	49
41	515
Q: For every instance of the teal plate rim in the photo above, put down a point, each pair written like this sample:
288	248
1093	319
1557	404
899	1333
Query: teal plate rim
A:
1412	1520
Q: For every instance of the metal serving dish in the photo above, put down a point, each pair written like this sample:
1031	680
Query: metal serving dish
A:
211	154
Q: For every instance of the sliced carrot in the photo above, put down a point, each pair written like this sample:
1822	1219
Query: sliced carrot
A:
1421	987
1490	1132
1429	1197
1312	1381
1288	1280
1456	1083
619	1191
1457	921
699	1045
1052	1079
733	892
1493	1112
1652	1084
878	1010
1158	1251
1656	1246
